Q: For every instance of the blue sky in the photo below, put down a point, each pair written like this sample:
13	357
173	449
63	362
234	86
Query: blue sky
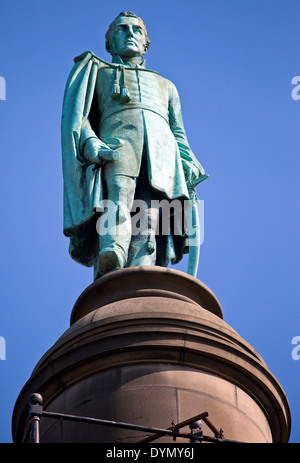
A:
233	62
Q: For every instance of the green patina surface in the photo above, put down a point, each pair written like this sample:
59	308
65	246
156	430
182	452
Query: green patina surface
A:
123	145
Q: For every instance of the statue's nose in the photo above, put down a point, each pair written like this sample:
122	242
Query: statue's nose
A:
129	32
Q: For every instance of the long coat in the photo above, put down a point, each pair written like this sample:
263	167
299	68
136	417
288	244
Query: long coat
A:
135	107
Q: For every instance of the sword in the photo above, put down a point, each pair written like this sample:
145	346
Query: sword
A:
194	227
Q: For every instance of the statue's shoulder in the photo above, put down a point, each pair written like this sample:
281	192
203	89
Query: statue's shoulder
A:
168	84
88	55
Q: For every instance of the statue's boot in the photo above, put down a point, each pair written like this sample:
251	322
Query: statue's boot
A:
110	258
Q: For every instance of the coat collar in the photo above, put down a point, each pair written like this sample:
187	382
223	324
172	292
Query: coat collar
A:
116	59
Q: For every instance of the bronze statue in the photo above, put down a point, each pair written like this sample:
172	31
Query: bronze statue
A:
124	148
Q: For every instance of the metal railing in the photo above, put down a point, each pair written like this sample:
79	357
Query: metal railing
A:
36	412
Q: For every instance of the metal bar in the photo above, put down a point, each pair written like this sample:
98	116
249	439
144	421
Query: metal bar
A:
201	416
211	427
36	411
83	419
220	441
35	430
158	431
35	402
180	425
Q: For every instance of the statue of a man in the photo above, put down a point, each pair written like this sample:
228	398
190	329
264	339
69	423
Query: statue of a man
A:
123	144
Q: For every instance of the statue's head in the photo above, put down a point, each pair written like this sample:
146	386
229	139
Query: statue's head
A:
127	36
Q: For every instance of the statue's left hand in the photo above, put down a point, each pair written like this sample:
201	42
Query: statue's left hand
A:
191	171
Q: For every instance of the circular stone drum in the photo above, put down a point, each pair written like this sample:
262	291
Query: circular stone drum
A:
148	346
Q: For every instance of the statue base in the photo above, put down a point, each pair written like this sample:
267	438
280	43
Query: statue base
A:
148	346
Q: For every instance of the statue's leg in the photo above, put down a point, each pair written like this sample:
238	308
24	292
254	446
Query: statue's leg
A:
145	220
143	249
115	223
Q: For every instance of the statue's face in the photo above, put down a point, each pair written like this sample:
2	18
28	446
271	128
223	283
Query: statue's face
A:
129	37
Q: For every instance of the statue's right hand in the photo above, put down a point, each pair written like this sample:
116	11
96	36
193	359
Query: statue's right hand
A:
108	154
97	152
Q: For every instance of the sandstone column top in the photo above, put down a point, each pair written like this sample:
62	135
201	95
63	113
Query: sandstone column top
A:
145	281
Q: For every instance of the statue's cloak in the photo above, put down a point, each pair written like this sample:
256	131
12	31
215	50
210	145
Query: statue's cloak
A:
82	183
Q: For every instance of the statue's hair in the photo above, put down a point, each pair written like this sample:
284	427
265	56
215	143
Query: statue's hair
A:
110	31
